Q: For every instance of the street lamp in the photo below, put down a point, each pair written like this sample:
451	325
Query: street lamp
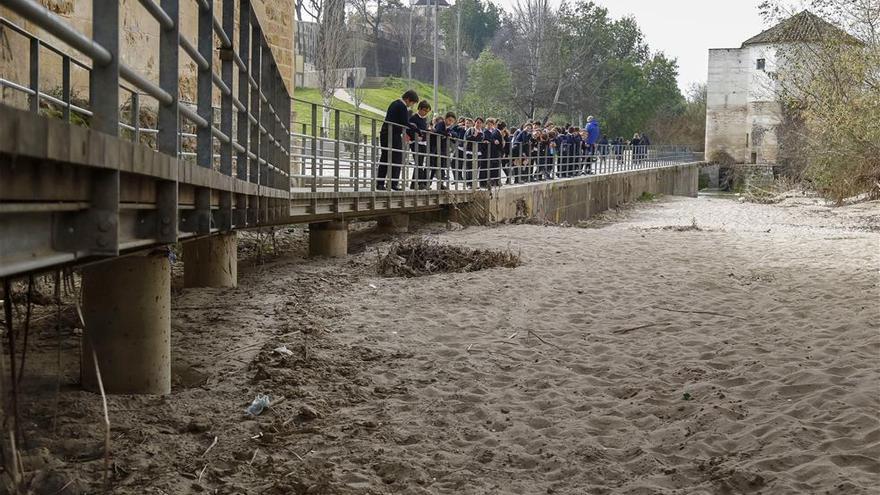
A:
436	4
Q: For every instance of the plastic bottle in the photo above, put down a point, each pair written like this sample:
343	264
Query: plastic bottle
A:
260	403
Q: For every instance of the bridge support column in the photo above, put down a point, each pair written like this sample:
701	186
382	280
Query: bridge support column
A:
127	313
211	261
394	224
328	239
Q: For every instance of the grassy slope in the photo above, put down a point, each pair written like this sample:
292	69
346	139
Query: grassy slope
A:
304	110
394	87
379	98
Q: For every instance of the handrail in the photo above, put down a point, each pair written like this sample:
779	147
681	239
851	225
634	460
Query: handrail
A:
49	21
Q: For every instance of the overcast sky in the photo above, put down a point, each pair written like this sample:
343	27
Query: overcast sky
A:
686	29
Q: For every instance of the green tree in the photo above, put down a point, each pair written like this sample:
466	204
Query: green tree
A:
489	88
480	20
639	94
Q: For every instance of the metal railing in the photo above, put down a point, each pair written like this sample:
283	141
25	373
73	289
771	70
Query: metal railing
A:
246	138
351	154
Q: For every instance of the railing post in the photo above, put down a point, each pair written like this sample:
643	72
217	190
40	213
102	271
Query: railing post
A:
254	216
65	87
475	168
224	215
337	143
266	130
168	138
373	158
302	154
103	227
314	148
242	159
200	220
35	75
357	154
135	117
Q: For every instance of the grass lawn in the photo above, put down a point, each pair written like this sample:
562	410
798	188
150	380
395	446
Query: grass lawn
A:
304	111
394	87
379	98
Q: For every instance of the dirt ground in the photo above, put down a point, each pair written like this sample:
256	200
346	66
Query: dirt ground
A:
685	346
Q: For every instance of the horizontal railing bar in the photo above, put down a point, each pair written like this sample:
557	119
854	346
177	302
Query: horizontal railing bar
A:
220	84
54	25
219	135
193	53
145	84
45	45
221	33
192	116
158	13
238	105
24	89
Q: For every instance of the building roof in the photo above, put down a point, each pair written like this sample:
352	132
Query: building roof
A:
801	28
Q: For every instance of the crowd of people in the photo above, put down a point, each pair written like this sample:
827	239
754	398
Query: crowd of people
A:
463	146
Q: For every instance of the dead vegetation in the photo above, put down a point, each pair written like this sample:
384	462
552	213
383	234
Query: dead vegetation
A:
420	256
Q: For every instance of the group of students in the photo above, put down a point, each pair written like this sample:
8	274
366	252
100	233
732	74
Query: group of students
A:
532	152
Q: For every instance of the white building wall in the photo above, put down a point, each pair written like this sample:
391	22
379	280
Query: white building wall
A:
764	111
727	103
743	113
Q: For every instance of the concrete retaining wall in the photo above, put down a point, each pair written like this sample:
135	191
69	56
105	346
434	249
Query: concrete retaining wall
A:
577	199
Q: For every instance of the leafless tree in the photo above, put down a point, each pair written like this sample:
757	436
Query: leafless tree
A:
357	48
373	13
307	8
333	51
532	20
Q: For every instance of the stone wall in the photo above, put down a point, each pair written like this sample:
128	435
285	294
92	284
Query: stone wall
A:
743	115
727	104
139	43
572	200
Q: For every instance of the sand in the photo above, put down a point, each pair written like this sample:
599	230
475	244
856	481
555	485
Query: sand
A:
690	346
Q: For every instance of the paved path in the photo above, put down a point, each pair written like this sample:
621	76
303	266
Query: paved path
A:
345	96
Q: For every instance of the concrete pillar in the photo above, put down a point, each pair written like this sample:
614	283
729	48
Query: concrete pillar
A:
328	239
211	261
394	224
127	313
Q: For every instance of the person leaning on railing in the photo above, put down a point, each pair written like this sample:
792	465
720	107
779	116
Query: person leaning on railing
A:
418	135
438	146
392	137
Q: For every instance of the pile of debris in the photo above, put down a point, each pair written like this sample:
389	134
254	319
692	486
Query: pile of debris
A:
420	256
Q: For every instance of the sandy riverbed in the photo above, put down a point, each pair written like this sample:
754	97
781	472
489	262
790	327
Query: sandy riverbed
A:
692	346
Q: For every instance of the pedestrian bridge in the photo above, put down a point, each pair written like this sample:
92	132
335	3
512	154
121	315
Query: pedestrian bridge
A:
89	182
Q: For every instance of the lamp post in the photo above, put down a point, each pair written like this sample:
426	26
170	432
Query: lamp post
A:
435	5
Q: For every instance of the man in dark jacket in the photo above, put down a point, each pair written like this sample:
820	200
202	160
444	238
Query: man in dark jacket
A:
392	136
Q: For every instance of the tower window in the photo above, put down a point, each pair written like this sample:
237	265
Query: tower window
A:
761	64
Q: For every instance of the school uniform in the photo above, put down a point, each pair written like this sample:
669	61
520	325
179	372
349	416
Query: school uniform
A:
459	132
506	162
418	134
577	145
520	152
546	155
438	146
391	136
491	155
473	139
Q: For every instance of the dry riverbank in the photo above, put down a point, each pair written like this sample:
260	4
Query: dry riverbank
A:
692	346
